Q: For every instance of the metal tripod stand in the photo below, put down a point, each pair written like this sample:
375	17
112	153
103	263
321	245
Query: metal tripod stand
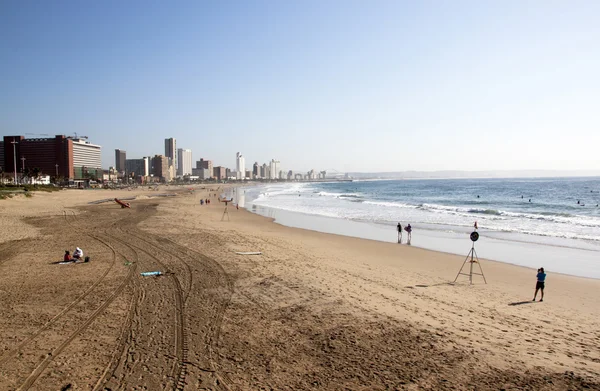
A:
471	259
225	212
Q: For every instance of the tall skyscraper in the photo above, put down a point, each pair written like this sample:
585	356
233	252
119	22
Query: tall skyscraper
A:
171	150
263	171
184	160
256	170
120	157
274	169
240	166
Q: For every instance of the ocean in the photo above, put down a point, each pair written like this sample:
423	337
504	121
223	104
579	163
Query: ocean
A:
549	212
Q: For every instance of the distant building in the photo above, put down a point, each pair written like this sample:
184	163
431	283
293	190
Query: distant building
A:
227	173
2	163
87	160
184	161
256	170
274	169
137	167
53	156
120	158
201	173
171	150
263	171
220	172
160	168
248	174
240	166
208	164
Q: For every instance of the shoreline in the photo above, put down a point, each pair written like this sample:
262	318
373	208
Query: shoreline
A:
560	258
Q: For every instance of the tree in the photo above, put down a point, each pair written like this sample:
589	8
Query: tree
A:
35	173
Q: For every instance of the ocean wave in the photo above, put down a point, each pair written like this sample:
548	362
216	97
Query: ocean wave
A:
391	204
338	195
486	212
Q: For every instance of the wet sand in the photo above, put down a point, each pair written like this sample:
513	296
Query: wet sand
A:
313	311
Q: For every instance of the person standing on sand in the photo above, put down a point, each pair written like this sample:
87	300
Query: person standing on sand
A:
408	229
541	279
399	227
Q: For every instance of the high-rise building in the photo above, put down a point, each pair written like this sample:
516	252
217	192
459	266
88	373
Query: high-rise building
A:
208	164
137	167
219	173
53	156
184	161
120	157
171	150
263	171
240	166
274	169
160	168
2	164
87	159
256	170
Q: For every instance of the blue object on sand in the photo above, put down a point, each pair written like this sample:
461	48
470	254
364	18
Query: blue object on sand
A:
145	274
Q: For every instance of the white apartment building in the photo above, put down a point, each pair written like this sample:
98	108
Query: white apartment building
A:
184	161
240	166
87	157
274	169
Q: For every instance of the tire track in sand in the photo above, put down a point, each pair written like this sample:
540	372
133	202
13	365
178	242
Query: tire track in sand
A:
69	307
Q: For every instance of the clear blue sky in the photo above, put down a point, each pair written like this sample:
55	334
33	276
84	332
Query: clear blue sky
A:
350	85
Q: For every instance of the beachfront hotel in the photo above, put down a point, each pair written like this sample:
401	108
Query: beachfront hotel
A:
87	159
61	156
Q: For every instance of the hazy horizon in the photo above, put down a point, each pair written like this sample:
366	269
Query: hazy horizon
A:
358	87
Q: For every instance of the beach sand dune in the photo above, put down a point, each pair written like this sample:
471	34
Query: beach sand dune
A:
313	311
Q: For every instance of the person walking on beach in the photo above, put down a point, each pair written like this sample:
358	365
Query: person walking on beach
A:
408	229
399	227
541	279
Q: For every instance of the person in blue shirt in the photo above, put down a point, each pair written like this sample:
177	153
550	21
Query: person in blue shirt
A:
541	279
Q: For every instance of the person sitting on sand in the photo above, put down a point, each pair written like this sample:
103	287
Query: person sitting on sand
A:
78	254
541	279
67	257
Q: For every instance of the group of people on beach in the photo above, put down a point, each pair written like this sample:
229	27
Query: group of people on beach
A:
408	230
205	201
77	255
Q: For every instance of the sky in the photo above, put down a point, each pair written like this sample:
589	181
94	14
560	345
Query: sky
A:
361	86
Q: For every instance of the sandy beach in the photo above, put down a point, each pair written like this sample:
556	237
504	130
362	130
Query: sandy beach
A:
312	311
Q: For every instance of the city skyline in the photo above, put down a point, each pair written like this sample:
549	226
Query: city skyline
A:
369	87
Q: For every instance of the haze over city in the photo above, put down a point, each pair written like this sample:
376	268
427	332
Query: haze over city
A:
355	86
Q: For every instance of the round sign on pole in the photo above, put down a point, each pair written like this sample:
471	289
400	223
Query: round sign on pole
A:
474	236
